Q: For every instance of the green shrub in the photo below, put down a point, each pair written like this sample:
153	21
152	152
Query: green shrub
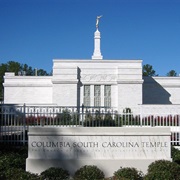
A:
88	173
55	174
127	173
64	118
175	155
97	120
19	174
163	170
99	123
11	160
128	119
8	148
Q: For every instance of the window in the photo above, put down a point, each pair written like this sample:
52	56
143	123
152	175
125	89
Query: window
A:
107	96
97	95
87	95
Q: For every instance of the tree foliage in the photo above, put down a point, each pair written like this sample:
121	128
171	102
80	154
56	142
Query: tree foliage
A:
18	69
148	70
172	73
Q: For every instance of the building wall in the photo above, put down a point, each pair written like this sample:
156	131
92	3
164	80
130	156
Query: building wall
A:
124	77
27	89
161	90
66	86
65	94
129	95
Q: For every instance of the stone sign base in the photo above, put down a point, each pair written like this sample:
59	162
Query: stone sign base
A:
108	148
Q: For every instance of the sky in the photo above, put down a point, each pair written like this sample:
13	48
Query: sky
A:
34	32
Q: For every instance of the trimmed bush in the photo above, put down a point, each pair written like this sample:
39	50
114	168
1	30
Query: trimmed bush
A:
163	170
55	174
175	155
18	173
11	160
88	173
127	173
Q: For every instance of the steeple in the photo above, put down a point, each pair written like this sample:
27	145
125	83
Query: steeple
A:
97	51
97	37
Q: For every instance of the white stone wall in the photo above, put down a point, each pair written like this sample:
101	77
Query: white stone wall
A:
129	95
106	147
161	90
65	83
65	94
124	76
27	89
66	86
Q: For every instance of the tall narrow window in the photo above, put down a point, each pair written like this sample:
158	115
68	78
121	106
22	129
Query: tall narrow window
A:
107	96
97	95
87	95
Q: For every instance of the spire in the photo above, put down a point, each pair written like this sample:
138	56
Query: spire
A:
97	51
97	37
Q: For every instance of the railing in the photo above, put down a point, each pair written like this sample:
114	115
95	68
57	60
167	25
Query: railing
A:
15	120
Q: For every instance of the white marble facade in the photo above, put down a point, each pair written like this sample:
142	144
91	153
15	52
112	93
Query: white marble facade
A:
66	86
123	78
93	82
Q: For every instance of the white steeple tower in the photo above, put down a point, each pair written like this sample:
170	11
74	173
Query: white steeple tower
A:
97	37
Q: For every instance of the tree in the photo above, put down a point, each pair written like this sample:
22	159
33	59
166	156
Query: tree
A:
148	70
18	69
172	73
41	72
27	69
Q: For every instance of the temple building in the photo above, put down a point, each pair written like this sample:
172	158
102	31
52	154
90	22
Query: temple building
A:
93	82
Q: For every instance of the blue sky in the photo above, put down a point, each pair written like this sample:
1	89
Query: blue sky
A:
35	32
